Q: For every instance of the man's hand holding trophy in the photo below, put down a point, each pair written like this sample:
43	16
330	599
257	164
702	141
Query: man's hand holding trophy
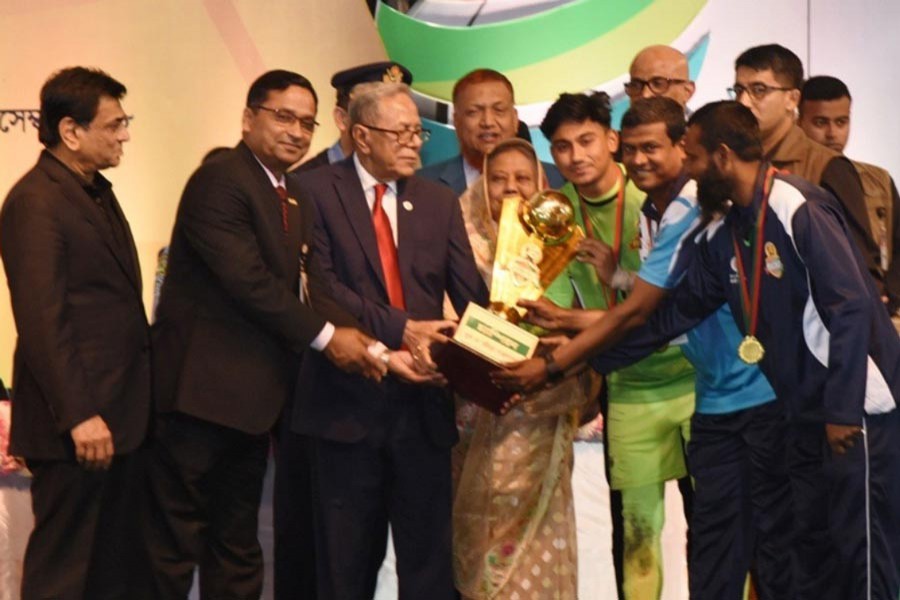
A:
536	240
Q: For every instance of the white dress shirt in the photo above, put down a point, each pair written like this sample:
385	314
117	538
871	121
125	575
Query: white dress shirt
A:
388	201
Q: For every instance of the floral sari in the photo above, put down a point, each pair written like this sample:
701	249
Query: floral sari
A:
513	514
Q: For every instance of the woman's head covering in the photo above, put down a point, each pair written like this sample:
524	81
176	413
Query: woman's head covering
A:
476	202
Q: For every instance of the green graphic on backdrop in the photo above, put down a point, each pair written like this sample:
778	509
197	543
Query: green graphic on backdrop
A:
571	47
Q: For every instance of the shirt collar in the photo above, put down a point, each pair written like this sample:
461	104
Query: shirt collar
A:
274	180
470	173
368	180
96	188
649	209
335	153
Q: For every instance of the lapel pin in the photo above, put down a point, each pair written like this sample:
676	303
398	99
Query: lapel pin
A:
292	202
407	205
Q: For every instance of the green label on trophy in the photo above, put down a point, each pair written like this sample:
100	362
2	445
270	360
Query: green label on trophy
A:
494	338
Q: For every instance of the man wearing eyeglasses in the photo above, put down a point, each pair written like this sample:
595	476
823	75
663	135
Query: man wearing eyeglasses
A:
389	246
660	71
229	332
343	83
767	81
82	361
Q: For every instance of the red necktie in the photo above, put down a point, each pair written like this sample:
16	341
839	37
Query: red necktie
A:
387	250
282	193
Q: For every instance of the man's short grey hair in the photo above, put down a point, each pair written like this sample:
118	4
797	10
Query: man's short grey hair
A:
366	97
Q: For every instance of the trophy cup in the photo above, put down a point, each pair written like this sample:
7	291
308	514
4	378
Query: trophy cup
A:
536	239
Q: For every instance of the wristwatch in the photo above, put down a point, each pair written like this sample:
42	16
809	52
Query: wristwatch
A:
554	373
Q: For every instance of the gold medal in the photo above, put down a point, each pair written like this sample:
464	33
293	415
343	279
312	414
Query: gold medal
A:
751	350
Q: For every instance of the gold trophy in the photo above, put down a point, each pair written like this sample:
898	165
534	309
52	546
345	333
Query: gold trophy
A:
536	239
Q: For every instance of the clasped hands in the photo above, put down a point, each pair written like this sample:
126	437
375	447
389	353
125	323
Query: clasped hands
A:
414	362
349	351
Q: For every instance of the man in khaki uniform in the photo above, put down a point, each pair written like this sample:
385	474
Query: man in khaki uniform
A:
767	81
825	118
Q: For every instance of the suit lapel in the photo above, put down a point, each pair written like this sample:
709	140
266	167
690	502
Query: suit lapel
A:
269	206
91	213
455	175
135	270
350	194
294	237
406	222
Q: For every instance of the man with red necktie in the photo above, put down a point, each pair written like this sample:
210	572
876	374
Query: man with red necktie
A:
389	246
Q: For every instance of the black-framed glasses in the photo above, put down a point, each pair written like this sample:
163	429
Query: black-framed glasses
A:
657	85
287	118
403	136
757	91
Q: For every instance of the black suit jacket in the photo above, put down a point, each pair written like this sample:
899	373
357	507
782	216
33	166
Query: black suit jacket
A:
230	326
434	258
319	160
84	344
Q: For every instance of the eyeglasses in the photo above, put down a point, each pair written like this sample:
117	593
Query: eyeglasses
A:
288	119
403	136
115	126
757	91
657	85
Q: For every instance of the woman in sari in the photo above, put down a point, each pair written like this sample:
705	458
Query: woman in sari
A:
513	515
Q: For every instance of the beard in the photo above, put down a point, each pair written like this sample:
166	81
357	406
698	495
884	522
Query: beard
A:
713	192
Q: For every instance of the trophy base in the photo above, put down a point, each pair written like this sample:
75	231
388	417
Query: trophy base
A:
469	375
483	343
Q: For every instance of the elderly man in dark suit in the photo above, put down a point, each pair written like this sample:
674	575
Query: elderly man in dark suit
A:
390	246
229	332
82	363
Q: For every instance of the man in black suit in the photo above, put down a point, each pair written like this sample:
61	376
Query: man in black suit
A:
389	246
229	332
484	114
82	363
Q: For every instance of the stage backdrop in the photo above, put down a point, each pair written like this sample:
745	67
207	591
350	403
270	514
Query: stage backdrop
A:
187	65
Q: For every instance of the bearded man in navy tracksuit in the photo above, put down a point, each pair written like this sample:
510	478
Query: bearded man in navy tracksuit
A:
812	319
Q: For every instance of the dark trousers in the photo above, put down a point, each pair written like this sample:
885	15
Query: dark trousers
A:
847	510
742	504
206	483
402	479
292	516
86	541
685	487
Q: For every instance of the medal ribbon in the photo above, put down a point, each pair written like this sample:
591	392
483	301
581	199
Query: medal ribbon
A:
750	307
617	235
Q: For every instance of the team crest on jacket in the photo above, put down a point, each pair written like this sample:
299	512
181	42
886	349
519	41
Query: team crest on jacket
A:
774	266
